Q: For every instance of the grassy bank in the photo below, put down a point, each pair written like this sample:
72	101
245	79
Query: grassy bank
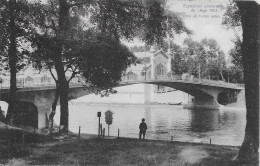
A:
123	151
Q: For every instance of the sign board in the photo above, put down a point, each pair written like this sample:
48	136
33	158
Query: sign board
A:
109	117
98	114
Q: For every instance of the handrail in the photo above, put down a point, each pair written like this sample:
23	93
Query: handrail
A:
46	81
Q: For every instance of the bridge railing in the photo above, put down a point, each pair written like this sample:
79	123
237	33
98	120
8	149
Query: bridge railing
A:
183	78
45	81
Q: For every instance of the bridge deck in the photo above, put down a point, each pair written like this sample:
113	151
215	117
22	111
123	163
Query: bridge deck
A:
24	85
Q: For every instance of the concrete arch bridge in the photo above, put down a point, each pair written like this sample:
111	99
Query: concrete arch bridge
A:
38	96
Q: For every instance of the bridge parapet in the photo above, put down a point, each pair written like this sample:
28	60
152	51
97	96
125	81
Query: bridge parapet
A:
29	82
47	81
41	91
181	78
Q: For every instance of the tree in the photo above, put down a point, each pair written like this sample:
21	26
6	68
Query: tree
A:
179	65
214	58
62	20
14	35
98	58
236	60
196	57
232	20
102	61
234	74
245	15
205	57
249	12
41	59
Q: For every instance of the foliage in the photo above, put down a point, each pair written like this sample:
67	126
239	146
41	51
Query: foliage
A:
236	54
232	17
232	20
179	65
102	60
14	44
205	56
21	31
149	20
234	74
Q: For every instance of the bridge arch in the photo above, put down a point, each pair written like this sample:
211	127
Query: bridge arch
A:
204	97
26	114
223	98
205	94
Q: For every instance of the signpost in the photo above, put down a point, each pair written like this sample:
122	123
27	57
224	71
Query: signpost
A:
109	119
98	115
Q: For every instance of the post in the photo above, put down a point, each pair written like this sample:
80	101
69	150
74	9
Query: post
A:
98	126
199	74
98	115
101	129
104	132
79	133
210	141
171	138
118	133
23	137
108	131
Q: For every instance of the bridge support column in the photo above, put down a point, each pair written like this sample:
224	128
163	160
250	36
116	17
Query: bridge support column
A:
43	112
203	103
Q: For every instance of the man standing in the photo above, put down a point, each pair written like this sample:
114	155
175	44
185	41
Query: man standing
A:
143	128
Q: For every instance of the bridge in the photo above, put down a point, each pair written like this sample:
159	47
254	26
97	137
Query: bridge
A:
37	96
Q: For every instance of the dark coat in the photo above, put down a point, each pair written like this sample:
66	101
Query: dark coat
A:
143	127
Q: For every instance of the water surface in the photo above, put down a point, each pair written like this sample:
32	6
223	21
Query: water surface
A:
165	122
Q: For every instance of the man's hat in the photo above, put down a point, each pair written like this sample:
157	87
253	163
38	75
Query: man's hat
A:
143	119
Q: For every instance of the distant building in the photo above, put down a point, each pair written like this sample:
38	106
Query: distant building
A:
154	65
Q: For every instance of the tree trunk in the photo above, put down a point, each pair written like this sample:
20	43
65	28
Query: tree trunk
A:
12	62
63	83
53	108
221	74
64	91
250	56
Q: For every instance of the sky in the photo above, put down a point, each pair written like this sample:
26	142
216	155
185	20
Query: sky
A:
204	18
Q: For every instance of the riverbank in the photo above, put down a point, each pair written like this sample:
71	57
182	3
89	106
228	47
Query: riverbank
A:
68	150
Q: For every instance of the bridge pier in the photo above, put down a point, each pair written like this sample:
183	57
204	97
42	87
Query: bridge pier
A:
204	102
43	115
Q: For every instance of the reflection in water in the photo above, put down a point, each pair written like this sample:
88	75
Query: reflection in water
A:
221	126
203	120
148	116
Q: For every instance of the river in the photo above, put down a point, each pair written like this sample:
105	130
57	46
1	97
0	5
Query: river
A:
165	122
